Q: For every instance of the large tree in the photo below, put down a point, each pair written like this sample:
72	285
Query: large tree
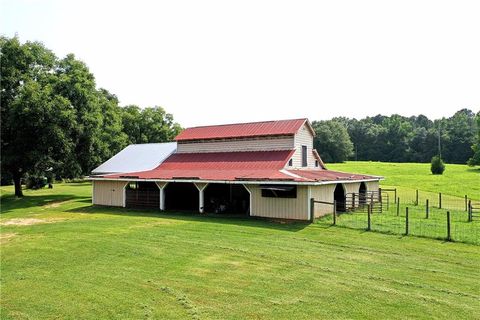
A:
35	119
475	159
332	141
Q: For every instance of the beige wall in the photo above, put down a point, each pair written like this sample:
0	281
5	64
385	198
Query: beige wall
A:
373	185
284	208
323	193
251	144
108	193
303	138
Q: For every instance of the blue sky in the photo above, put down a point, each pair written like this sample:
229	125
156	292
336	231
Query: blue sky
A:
216	61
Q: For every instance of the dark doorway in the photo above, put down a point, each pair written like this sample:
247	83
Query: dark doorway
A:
181	196
142	195
339	197
362	194
226	198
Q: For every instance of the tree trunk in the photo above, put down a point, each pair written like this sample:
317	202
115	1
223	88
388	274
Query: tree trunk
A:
17	180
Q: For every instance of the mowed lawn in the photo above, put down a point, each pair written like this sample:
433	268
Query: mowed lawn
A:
457	180
62	258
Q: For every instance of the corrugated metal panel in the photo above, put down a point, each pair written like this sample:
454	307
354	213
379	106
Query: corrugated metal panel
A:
252	129
137	157
323	193
282	208
108	193
264	144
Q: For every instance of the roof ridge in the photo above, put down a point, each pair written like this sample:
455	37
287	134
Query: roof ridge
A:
242	123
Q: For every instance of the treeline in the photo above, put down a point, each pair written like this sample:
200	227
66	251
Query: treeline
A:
400	139
56	122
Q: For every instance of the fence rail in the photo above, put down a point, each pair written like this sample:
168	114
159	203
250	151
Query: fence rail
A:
418	213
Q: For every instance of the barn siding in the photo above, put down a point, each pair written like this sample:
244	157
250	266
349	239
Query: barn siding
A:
323	193
108	193
303	138
352	188
283	208
265	144
372	185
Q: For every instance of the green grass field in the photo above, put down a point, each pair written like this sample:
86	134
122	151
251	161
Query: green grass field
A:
62	258
457	180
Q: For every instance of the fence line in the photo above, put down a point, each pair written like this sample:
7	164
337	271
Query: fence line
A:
418	213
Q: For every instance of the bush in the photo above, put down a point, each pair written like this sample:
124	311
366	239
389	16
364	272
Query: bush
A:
36	182
437	166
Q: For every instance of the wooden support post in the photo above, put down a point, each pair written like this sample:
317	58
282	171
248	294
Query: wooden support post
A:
395	190
334	212
440	200
416	197
406	221
353	200
398	206
449	238
466	203
369	220
427	209
312	209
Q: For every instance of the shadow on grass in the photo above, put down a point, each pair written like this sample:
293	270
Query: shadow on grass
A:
10	202
229	219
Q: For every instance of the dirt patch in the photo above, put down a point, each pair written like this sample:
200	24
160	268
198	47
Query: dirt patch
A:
55	204
5	237
27	221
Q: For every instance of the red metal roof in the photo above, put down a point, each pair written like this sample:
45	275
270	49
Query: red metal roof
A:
236	166
224	166
239	130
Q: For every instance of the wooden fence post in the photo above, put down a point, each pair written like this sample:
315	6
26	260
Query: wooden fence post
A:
334	212
440	200
398	206
466	203
312	209
406	221
416	197
449	238
427	209
369	211
395	199
353	200
470	211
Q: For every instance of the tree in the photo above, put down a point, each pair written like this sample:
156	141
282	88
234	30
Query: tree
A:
33	117
149	125
332	141
437	165
475	159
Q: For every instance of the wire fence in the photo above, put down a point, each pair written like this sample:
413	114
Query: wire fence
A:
417	213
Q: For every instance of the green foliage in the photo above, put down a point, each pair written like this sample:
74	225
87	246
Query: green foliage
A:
53	116
115	263
437	166
35	182
475	159
332	141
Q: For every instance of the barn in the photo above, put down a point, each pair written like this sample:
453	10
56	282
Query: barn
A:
259	169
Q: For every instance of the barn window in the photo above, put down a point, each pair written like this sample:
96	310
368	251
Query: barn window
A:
290	162
304	156
316	163
278	191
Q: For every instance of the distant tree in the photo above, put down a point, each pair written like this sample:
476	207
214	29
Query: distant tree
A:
149	125
332	141
437	165
475	159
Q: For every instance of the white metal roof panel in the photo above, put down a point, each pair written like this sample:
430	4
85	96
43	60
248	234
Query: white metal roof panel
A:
137	157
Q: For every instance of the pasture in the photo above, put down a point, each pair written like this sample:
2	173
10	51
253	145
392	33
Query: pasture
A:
63	258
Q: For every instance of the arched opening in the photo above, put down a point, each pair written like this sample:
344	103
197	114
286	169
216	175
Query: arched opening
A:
362	194
339	197
181	196
140	194
226	198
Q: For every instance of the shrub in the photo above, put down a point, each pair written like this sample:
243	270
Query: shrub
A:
36	182
437	166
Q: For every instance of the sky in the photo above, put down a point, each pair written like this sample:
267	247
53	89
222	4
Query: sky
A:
213	62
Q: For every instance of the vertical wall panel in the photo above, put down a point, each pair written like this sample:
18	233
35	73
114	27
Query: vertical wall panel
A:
108	193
